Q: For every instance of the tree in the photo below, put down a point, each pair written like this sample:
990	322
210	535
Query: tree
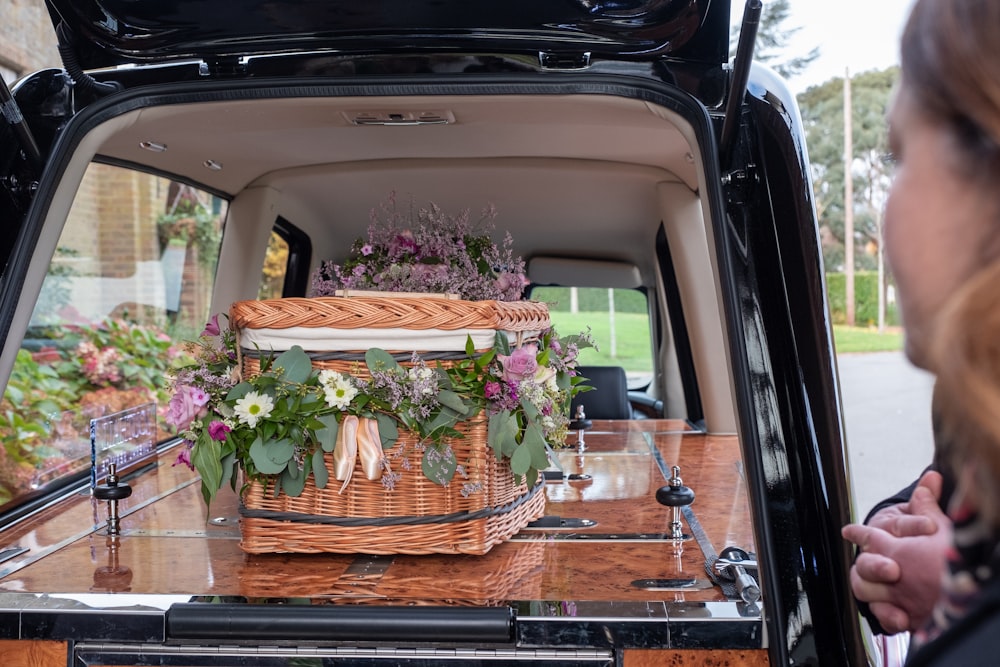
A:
822	111
772	41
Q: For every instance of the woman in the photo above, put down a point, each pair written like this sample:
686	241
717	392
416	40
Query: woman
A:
942	230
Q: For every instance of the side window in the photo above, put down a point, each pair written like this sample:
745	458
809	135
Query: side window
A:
618	320
133	273
272	283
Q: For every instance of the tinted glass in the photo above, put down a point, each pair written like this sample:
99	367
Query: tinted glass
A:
133	272
618	320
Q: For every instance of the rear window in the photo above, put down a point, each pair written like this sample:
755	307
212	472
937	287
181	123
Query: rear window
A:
619	323
133	272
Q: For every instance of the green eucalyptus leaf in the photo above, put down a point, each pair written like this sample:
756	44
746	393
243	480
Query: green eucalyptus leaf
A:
439	466
453	401
272	458
520	460
534	440
388	432
293	481
530	410
228	469
319	469
293	365
444	419
500	427
239	391
378	359
531	477
327	436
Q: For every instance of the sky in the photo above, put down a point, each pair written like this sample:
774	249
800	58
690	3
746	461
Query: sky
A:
855	34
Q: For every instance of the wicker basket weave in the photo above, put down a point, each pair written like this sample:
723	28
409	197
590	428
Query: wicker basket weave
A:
417	516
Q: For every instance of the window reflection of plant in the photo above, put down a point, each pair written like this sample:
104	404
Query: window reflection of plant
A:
55	294
62	376
194	225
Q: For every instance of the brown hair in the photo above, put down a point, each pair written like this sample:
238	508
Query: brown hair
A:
950	60
966	358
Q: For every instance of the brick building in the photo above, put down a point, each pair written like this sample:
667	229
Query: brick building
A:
110	240
27	42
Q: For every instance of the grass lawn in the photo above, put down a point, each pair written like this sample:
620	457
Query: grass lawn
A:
629	344
865	339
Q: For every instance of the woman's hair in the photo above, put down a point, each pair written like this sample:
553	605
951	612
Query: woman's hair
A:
965	353
950	60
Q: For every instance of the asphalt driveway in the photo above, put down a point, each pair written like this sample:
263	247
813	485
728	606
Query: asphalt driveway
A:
887	418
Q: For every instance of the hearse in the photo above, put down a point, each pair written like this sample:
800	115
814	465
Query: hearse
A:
193	155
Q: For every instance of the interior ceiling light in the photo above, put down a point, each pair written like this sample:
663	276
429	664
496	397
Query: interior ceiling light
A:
153	146
213	165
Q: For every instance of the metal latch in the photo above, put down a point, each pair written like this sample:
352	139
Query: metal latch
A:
564	61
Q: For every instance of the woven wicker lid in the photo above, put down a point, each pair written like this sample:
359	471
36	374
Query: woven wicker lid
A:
389	312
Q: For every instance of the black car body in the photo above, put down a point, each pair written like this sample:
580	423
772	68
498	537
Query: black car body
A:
604	121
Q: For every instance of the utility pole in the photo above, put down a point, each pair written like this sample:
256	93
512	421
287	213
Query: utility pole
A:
848	201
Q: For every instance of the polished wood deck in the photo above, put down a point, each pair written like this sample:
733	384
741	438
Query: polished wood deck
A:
168	548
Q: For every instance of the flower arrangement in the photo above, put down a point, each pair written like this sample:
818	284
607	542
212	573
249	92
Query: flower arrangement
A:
427	250
279	423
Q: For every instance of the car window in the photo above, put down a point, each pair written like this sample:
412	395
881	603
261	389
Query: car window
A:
132	274
619	323
272	282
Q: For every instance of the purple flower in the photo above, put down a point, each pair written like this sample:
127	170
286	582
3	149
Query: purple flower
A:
519	364
491	389
405	243
212	328
217	430
184	456
183	409
367	249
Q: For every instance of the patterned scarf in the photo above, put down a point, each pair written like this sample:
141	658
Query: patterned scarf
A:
972	559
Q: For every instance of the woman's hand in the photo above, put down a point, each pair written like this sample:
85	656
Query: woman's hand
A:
898	572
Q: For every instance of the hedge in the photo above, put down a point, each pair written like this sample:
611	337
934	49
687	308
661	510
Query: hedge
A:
865	299
594	299
591	299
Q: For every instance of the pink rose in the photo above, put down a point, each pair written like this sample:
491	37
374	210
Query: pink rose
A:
519	364
183	408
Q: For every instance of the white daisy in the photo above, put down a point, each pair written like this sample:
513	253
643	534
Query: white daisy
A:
340	394
253	407
328	378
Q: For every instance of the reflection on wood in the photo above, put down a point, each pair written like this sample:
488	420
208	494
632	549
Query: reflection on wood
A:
167	547
18	653
692	658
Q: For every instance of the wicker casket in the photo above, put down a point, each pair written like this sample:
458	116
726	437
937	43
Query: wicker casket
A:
417	515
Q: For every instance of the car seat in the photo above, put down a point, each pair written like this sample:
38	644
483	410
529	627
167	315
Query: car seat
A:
609	397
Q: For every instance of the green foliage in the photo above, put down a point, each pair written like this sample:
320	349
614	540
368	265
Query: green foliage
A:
65	376
822	109
772	40
192	224
865	299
